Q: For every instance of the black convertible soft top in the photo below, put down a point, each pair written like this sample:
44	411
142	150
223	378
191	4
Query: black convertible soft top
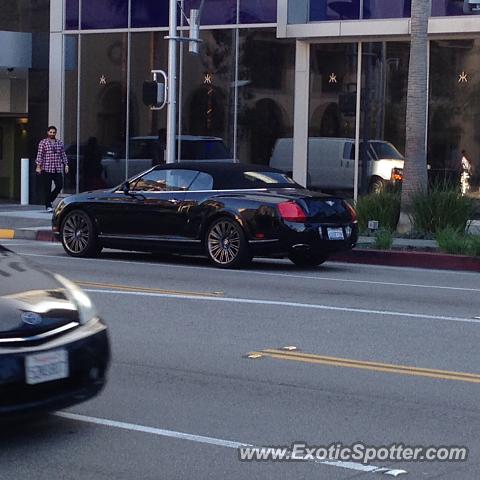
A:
228	175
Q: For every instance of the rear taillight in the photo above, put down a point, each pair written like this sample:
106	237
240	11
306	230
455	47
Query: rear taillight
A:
397	175
351	211
292	212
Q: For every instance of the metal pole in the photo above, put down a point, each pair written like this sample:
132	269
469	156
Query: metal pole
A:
358	114
24	186
172	87
180	88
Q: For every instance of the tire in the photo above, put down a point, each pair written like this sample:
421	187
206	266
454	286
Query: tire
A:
377	185
307	259
226	245
78	235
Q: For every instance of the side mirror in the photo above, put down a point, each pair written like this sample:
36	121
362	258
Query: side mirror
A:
126	187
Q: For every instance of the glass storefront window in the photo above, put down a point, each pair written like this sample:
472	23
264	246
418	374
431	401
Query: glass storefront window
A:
332	113
149	13
334	10
351	9
102	109
454	110
104	14
71	14
265	94
207	89
149	51
383	111
215	12
386	8
453	7
258	11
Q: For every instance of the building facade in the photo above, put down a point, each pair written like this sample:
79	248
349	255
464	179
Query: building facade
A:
321	81
24	87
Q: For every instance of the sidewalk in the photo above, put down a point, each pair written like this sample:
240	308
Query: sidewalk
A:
32	222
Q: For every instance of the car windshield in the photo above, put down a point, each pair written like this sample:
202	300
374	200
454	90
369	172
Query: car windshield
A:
385	150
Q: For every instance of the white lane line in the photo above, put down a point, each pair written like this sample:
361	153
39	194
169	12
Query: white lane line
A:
211	441
289	304
287	275
37	242
154	431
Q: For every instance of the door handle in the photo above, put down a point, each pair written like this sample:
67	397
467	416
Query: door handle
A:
173	201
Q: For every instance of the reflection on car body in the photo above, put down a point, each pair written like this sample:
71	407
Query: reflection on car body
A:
230	212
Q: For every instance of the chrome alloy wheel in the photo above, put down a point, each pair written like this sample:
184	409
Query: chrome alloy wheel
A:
76	233
224	242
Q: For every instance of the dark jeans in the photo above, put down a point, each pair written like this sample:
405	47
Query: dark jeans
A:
50	195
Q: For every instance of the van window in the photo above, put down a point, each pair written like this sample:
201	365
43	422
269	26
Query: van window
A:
349	151
383	150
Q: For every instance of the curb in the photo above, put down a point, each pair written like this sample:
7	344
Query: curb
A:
440	261
23	234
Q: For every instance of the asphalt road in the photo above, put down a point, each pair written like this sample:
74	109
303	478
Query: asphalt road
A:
378	355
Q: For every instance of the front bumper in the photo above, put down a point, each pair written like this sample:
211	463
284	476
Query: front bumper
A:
89	357
306	236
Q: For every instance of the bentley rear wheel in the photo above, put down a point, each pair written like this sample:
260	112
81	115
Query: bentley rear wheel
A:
226	244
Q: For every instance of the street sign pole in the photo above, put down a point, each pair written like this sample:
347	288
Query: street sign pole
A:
172	84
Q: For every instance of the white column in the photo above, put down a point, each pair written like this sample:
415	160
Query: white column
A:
301	112
55	99
24	185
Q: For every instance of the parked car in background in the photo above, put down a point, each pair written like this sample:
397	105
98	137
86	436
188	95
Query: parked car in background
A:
230	212
332	162
54	348
147	151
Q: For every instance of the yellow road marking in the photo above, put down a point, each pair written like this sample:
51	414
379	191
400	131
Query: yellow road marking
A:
7	234
129	288
364	365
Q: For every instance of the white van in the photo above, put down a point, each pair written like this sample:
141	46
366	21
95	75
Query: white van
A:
332	162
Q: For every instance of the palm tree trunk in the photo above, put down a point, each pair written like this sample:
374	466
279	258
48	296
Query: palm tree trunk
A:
415	169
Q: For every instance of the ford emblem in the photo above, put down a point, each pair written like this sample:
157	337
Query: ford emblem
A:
31	318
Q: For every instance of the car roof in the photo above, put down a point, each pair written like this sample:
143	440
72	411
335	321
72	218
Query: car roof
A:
225	174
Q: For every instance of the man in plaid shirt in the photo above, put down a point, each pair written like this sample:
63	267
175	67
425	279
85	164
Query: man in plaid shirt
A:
51	162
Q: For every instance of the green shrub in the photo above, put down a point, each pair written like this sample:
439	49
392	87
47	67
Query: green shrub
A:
383	207
383	239
441	208
451	241
473	245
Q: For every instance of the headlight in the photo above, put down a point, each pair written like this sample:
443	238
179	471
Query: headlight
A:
86	309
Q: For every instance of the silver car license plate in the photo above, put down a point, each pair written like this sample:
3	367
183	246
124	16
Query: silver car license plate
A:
47	366
335	234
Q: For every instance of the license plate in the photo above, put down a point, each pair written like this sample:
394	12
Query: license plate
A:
335	234
45	367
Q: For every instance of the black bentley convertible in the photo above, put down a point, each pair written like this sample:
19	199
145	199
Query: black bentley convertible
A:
231	212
